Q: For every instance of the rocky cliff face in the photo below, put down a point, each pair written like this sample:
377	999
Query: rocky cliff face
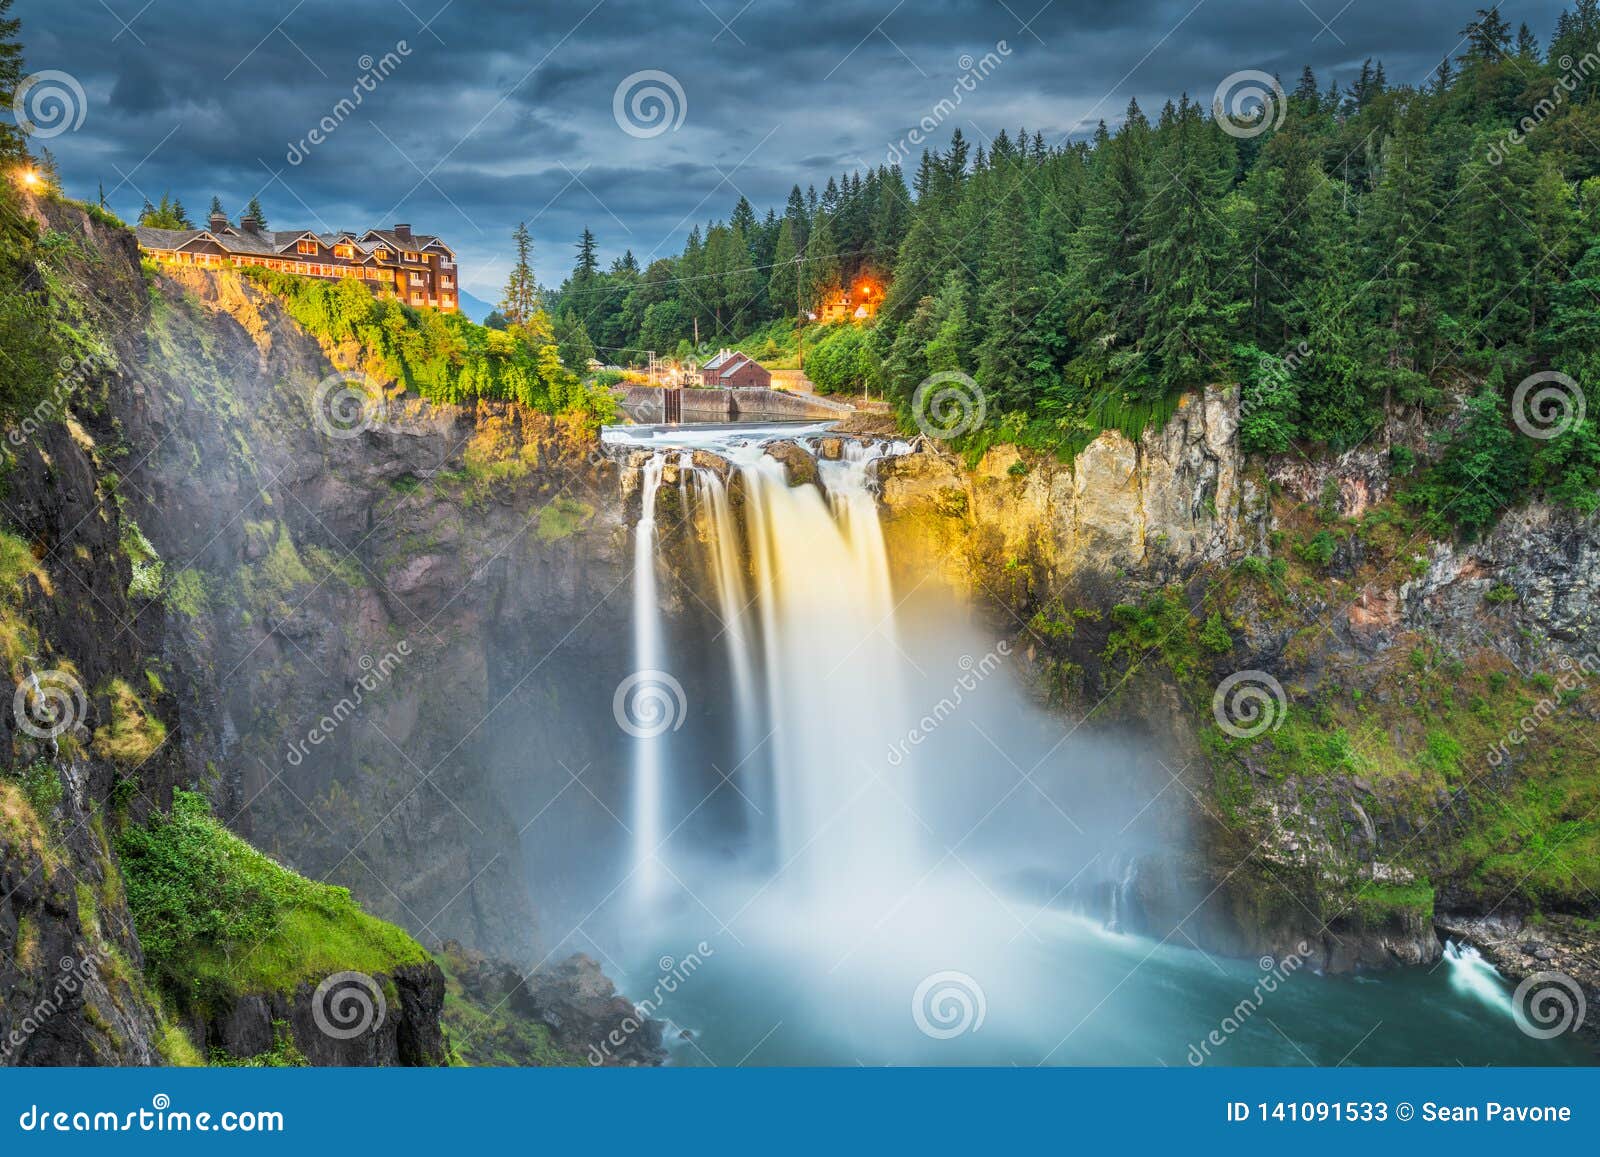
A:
347	635
1153	511
1139	578
369	616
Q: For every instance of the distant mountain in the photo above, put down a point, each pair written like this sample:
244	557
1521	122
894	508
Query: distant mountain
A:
474	307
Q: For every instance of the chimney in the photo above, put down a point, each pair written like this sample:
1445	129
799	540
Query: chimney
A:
250	224
402	231
219	222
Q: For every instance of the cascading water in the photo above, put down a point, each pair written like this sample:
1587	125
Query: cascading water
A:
861	830
648	650
830	691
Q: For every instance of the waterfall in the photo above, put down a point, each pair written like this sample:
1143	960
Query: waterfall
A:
649	655
737	628
814	664
1472	975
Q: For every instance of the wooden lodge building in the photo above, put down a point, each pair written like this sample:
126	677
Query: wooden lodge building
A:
420	268
731	369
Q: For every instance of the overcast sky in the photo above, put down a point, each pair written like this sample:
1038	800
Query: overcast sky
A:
495	111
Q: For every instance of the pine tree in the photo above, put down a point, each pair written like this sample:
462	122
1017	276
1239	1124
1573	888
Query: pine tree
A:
1109	249
783	285
1487	37
1405	255
254	209
13	143
521	296
588	263
1008	289
1187	311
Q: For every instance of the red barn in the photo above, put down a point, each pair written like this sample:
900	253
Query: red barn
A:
731	369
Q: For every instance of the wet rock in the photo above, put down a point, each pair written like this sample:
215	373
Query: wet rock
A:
588	1018
800	466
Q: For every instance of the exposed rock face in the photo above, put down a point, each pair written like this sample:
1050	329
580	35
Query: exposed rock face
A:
374	612
797	462
402	1030
1301	862
1520	949
1530	587
588	1017
353	630
1157	509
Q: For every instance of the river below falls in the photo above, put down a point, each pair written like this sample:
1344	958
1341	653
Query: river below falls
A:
1070	992
834	808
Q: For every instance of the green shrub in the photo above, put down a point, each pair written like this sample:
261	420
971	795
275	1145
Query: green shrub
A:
215	916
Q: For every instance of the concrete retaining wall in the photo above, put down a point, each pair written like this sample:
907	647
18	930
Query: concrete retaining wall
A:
714	405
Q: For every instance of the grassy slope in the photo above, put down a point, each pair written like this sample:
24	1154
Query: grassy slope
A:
217	918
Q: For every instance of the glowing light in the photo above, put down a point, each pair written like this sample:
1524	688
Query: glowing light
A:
30	178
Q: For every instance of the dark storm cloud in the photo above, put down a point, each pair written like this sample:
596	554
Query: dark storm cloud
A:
499	111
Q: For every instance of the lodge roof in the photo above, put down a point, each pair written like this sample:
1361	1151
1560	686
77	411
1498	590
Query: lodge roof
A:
237	239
